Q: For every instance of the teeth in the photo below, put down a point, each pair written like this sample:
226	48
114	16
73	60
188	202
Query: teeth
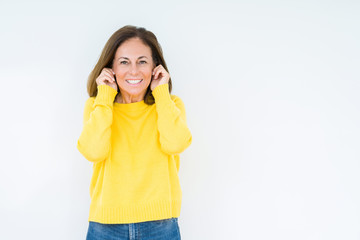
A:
133	81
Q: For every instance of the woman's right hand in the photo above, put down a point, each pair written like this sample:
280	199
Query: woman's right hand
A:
107	77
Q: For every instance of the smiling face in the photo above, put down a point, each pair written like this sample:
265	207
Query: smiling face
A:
133	65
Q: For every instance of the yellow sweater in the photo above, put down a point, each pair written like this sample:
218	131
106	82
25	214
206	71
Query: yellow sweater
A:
135	151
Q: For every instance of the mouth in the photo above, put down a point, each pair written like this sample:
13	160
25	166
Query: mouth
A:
134	81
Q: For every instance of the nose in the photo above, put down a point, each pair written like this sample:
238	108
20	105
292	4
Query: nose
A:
133	69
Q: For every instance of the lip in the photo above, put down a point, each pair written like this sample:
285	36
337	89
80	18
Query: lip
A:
134	84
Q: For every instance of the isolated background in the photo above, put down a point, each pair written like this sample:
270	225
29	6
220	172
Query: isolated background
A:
271	90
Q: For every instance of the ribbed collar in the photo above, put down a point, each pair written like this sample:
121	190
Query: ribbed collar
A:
136	106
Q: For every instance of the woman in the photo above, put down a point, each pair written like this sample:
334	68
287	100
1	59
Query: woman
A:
133	133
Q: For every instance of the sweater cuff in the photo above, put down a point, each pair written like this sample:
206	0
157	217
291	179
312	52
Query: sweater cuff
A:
161	92
105	95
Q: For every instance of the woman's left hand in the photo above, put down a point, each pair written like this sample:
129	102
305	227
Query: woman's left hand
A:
160	76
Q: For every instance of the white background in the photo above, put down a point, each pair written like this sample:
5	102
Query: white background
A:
271	90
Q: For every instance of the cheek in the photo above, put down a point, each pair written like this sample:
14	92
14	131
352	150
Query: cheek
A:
120	75
148	74
150	77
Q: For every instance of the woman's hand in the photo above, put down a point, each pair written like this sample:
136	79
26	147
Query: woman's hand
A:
106	77
160	76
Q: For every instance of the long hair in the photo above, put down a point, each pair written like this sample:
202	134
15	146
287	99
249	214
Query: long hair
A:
107	56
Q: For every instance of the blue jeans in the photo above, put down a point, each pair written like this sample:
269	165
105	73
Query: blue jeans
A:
165	229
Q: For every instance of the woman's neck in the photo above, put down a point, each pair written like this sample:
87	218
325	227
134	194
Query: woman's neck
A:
129	99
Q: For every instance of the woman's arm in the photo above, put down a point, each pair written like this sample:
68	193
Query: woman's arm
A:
94	141
175	135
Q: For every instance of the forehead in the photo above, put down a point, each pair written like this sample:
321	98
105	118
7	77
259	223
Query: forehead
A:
133	47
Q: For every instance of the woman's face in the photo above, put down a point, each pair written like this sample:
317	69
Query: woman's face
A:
133	66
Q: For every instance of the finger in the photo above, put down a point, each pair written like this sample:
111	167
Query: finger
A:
157	68
163	73
154	70
157	73
109	76
109	70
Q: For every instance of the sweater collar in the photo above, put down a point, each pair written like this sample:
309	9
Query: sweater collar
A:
136	106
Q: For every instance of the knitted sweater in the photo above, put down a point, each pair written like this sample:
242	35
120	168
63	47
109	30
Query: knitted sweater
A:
135	151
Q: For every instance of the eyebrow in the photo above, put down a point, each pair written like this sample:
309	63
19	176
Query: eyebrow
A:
128	58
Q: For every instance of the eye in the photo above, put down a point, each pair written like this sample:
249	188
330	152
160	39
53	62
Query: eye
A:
142	62
123	62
